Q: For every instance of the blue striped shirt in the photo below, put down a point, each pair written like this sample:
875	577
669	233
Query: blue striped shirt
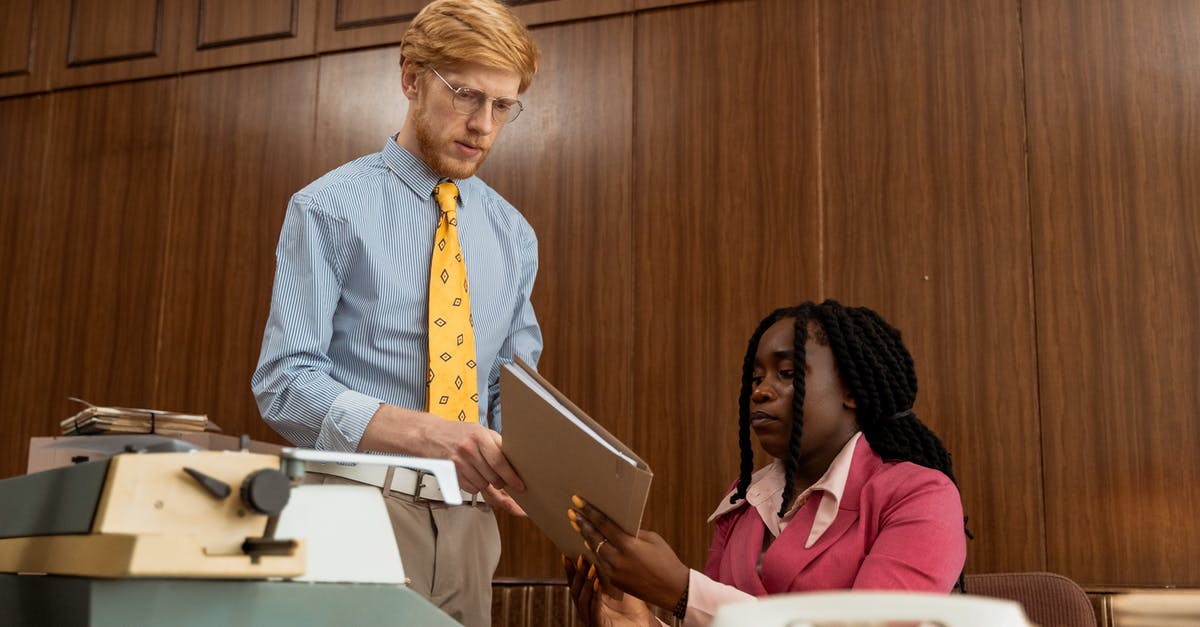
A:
347	328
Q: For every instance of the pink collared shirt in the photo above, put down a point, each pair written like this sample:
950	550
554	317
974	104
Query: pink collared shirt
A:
765	494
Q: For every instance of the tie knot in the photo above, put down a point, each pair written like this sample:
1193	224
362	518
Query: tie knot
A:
446	194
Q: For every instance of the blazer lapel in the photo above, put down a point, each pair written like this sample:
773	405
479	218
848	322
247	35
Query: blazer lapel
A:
787	557
743	571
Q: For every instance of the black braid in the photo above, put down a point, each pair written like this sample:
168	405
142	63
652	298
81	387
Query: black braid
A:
747	461
879	373
792	463
866	344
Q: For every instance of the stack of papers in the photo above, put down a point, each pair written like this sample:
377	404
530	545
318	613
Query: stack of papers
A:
96	420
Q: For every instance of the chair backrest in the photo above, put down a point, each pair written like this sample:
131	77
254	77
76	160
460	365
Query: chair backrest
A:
1050	600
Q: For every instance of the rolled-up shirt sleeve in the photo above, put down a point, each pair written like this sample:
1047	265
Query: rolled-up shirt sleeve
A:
296	395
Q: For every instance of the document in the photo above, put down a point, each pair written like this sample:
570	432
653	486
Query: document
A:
559	451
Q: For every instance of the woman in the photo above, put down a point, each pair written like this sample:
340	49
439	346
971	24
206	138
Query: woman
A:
860	495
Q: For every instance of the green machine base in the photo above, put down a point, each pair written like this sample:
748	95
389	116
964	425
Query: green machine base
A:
39	600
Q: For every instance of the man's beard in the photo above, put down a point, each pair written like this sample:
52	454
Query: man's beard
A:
431	151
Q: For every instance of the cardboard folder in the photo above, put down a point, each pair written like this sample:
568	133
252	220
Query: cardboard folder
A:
559	451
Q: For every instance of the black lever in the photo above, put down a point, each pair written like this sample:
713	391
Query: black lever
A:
215	486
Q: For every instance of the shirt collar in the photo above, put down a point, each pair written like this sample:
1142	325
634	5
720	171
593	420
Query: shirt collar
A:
416	174
765	494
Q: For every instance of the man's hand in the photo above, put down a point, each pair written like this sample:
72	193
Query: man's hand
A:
473	448
500	500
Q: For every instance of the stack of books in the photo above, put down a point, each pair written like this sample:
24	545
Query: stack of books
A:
96	420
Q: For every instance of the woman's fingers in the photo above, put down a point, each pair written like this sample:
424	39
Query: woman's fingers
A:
581	577
603	539
593	540
575	581
597	518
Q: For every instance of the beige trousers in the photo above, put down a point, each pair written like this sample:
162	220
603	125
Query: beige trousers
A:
450	552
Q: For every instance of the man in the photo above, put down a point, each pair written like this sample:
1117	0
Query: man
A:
355	317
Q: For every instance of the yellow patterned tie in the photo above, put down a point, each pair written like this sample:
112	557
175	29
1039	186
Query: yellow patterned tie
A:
452	391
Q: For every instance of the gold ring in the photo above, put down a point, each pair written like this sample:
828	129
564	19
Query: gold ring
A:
598	545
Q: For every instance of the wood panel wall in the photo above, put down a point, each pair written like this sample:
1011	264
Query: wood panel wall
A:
20	23
235	159
927	220
98	250
24	125
1114	154
1011	183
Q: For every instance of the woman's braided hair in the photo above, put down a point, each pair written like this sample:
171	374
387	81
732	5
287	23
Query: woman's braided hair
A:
878	372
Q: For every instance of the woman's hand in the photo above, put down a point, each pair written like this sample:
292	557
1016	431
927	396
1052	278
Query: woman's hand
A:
596	607
644	566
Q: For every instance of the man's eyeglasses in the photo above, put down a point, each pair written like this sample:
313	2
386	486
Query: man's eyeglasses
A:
467	101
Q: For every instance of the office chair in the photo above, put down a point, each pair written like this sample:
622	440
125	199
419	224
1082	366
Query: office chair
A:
1050	600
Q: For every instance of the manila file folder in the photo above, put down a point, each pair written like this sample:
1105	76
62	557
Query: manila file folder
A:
559	451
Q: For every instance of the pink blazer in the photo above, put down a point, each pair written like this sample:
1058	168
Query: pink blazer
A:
899	526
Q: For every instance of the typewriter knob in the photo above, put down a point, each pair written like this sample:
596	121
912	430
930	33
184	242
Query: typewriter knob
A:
266	491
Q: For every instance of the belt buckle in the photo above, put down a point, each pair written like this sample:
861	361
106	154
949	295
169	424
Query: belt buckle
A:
421	474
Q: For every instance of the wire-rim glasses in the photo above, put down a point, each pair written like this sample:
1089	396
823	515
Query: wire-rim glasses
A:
467	101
